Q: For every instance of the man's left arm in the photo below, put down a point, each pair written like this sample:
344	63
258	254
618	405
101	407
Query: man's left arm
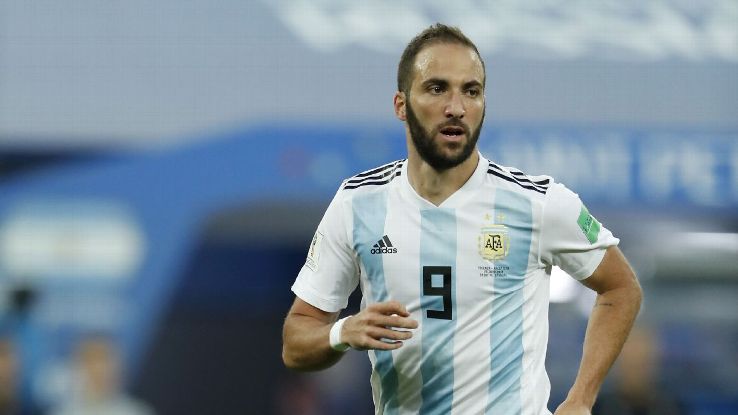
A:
618	301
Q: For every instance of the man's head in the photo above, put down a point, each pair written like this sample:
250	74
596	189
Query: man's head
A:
9	372
440	95
99	365
437	33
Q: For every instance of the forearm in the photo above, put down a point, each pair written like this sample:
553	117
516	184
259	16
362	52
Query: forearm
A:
305	344
608	327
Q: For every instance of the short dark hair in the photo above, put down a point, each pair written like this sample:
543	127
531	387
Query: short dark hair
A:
437	33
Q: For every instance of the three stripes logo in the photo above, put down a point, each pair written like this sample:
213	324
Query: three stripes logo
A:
383	246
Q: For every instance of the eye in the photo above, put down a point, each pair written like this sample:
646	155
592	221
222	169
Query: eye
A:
473	92
435	89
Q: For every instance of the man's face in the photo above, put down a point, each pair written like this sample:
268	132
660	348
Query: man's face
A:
100	367
445	105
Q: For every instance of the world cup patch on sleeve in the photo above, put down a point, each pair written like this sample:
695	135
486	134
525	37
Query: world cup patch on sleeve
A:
313	258
589	225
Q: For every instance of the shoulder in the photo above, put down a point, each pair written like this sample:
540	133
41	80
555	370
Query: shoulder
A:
365	184
517	180
563	207
375	178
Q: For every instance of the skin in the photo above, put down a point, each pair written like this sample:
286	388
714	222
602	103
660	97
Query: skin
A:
100	368
448	86
448	89
8	375
618	300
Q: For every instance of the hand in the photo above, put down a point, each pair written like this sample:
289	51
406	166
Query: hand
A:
568	408
365	330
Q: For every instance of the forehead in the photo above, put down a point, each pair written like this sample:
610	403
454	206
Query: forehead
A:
448	61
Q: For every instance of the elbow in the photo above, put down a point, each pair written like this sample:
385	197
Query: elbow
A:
288	359
635	293
638	294
291	361
304	362
289	356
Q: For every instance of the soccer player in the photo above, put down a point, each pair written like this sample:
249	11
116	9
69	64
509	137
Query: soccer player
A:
453	254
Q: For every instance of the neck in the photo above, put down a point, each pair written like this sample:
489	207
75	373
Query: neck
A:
437	186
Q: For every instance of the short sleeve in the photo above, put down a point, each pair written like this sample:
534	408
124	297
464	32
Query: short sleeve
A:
331	272
571	238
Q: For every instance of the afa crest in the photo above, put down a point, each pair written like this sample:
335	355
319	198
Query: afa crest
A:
494	242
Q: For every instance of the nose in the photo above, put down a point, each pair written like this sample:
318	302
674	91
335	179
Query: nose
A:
455	107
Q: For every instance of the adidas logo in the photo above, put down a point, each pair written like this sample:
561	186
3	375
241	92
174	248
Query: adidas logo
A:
384	246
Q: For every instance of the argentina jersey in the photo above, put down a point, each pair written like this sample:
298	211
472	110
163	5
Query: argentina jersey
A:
474	272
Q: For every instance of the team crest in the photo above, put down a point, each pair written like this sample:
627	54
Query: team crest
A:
494	242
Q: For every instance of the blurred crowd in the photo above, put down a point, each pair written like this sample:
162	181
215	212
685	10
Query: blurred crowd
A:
96	382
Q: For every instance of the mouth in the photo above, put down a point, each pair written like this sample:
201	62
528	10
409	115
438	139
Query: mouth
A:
453	133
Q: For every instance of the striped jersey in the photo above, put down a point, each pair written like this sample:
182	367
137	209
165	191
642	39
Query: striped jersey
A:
474	272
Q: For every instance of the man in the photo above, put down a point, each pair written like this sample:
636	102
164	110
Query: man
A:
100	391
453	254
10	402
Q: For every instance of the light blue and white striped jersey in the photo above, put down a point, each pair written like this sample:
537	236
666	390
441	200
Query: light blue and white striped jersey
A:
474	272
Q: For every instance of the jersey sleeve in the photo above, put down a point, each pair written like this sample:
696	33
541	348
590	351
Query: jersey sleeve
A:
571	237
331	271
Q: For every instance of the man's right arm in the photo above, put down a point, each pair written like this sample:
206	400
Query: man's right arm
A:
305	336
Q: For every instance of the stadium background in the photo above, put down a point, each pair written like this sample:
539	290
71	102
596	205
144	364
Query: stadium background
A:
163	167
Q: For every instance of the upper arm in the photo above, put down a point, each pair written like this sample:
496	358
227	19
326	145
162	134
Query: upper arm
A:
613	272
571	238
331	271
302	308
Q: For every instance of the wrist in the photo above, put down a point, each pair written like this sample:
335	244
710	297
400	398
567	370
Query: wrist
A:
581	398
335	336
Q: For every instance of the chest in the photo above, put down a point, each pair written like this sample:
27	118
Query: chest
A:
471	252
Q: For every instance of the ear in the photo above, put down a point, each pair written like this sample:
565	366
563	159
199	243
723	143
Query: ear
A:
399	104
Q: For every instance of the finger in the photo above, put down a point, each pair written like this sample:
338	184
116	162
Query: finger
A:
390	307
358	328
382	333
396	321
404	322
373	344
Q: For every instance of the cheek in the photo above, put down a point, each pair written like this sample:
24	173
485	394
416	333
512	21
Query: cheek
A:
476	111
428	115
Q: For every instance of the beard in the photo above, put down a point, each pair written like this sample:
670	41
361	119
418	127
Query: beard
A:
430	149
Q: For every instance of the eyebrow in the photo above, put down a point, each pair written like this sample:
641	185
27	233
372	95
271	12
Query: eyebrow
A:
472	84
444	83
435	81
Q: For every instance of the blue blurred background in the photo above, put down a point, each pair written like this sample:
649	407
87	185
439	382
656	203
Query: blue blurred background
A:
163	166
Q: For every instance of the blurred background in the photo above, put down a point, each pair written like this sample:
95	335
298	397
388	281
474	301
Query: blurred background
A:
163	166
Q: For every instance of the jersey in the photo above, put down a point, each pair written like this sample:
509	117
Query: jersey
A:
473	271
